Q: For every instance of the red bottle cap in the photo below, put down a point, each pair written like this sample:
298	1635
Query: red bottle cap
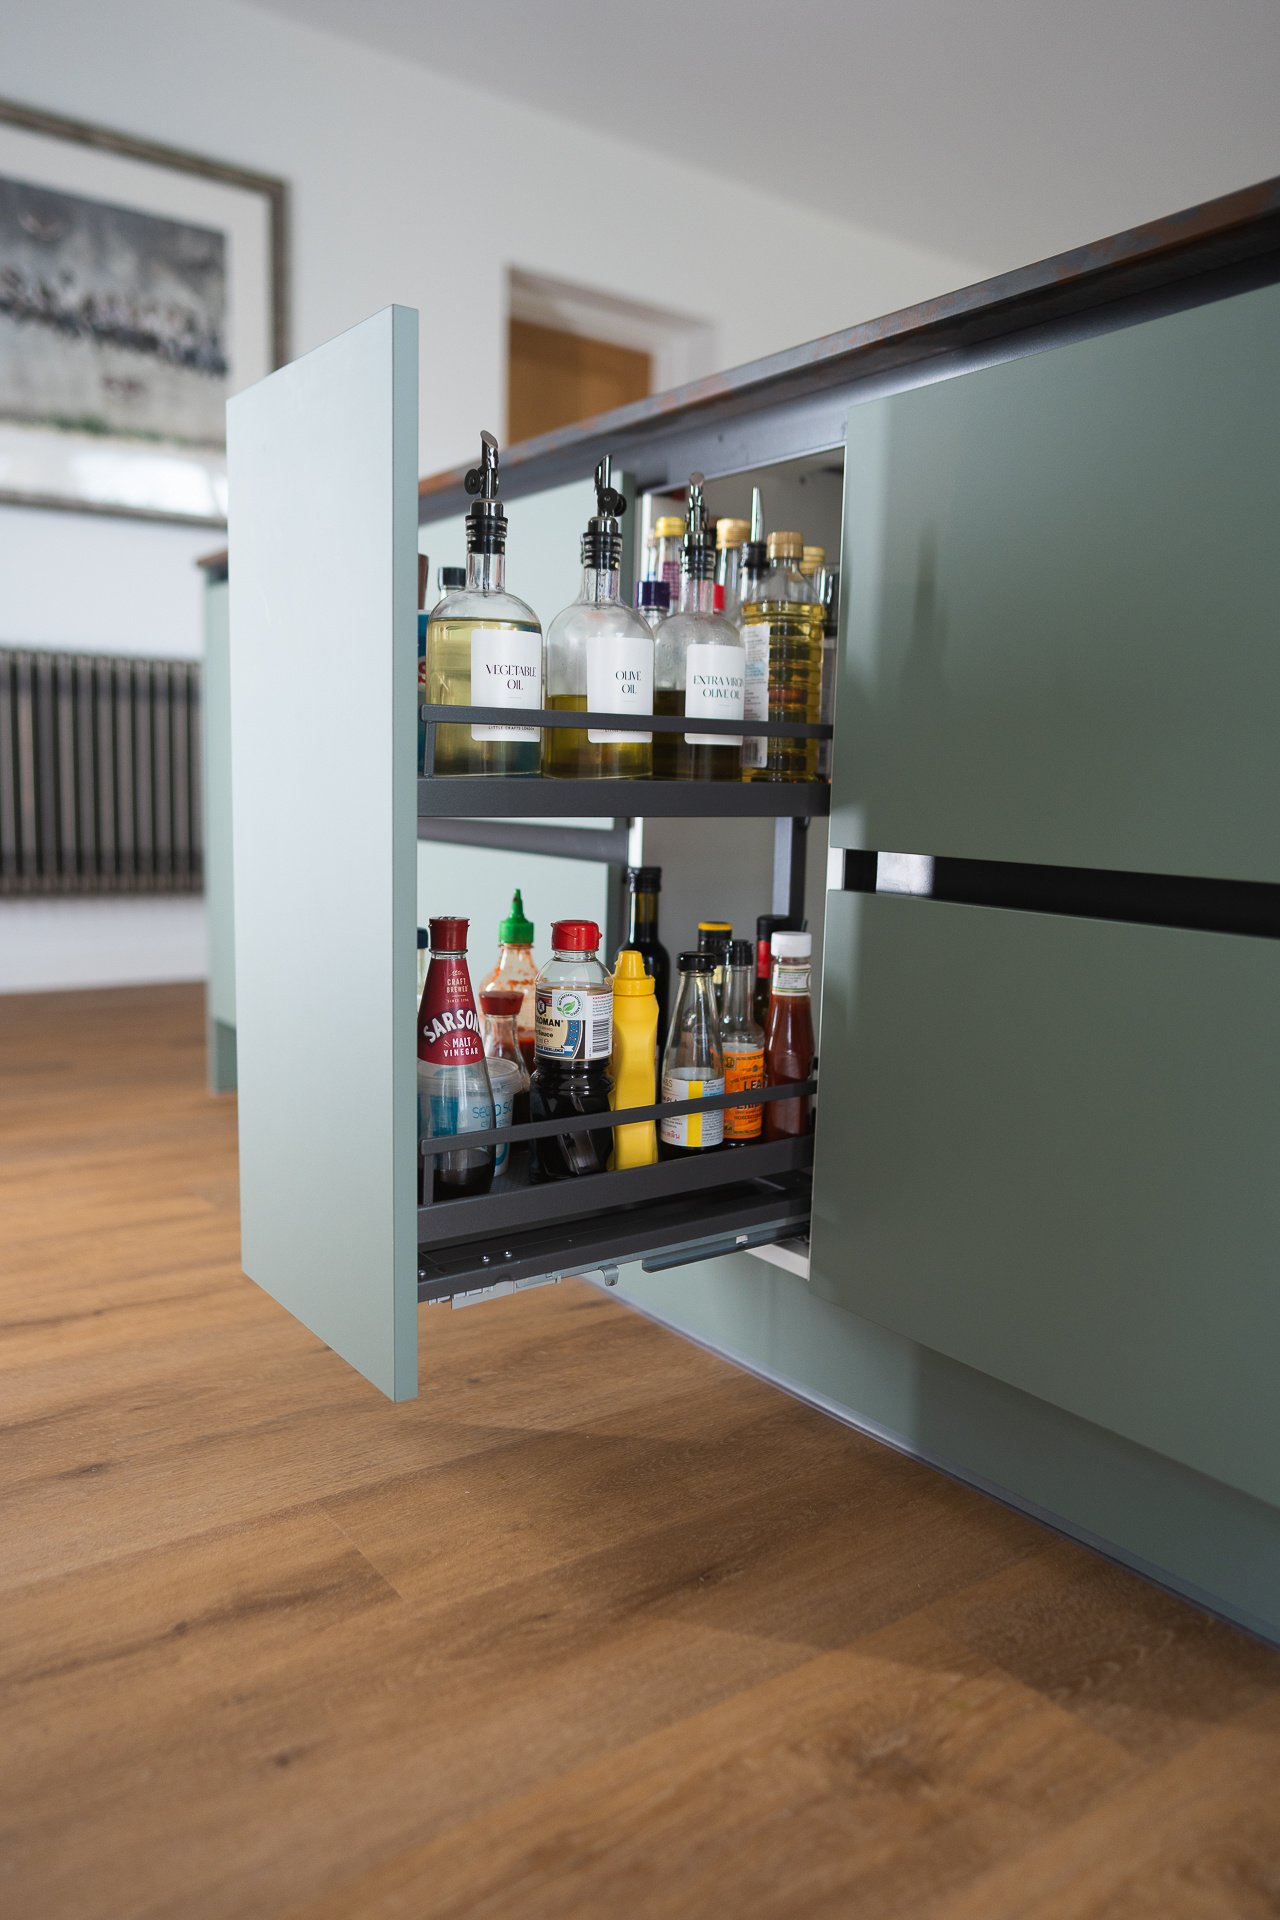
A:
448	936
498	1003
575	936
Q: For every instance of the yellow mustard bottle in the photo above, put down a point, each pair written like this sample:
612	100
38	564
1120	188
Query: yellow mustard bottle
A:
633	1062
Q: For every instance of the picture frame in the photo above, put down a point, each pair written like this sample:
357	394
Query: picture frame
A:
140	287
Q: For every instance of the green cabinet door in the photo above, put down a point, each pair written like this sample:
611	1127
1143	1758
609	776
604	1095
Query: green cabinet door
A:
1050	1148
1061	599
323	460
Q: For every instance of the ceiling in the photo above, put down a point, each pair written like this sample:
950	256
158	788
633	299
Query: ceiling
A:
995	131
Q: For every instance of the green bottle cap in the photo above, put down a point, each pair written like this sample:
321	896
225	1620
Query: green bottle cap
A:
515	930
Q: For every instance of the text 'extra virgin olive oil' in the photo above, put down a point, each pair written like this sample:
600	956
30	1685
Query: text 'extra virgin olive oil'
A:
600	660
699	666
484	647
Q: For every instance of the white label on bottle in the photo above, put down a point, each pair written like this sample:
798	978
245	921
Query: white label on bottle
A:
693	1129
573	1023
755	704
506	671
713	690
619	680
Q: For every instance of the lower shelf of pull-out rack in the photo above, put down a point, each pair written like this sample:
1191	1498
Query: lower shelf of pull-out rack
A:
664	1215
480	798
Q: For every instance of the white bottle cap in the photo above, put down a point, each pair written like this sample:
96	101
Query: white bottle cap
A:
791	946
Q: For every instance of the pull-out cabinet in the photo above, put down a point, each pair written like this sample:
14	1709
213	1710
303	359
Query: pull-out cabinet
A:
1042	1162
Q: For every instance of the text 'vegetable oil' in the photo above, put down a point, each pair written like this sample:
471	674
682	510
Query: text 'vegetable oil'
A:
450	651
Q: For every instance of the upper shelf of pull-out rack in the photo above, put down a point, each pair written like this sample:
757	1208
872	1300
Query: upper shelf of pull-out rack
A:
535	796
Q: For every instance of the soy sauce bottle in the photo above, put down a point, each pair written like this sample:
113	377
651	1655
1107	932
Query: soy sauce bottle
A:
573	1037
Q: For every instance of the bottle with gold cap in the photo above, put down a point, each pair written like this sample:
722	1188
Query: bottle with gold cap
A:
812	565
782	630
698	664
730	535
633	1064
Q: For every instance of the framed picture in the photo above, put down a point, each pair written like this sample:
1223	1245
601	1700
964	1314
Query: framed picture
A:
140	287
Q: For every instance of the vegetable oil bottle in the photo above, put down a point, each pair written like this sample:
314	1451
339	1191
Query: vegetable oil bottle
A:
782	629
699	664
484	647
600	659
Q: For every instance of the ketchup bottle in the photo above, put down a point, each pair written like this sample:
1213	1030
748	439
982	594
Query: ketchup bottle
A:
788	1046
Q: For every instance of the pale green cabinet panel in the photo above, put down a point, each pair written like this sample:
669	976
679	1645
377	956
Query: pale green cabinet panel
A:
1061	605
323	485
219	889
1049	1148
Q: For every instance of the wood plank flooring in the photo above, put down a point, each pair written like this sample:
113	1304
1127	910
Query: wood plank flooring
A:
597	1627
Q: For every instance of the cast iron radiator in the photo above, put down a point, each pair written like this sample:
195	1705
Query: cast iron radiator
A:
99	774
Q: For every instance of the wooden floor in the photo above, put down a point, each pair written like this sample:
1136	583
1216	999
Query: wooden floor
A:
597	1627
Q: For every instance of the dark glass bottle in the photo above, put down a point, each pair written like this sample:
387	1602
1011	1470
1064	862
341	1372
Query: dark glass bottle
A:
573	1037
713	938
644	884
767	924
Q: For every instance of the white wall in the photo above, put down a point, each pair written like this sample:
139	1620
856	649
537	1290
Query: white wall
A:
405	187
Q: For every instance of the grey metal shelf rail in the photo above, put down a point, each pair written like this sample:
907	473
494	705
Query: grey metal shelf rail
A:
675	1210
465	797
667	1230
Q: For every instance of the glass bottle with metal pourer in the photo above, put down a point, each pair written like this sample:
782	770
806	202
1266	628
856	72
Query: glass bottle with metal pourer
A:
484	647
600	659
782	627
699	664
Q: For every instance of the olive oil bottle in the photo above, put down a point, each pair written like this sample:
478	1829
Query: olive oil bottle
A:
699	663
600	660
782	629
484	647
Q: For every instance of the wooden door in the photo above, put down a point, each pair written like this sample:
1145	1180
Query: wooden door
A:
556	378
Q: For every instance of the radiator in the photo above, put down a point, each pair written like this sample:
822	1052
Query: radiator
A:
99	774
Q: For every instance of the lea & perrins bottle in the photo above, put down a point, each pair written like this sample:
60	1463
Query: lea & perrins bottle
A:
573	1037
742	1043
454	1095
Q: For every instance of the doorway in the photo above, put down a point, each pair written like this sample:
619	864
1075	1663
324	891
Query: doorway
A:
555	378
573	352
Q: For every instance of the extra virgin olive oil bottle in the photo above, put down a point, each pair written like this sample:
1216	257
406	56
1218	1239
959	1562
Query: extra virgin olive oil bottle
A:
782	625
600	659
699	664
484	647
